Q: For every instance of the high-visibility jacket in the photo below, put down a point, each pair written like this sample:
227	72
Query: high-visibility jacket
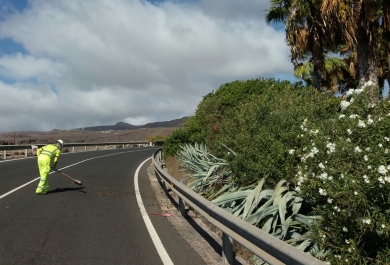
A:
49	152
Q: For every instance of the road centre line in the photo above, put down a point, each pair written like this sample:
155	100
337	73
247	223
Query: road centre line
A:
152	232
18	188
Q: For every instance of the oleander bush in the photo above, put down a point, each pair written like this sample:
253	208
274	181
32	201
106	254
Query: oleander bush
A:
344	171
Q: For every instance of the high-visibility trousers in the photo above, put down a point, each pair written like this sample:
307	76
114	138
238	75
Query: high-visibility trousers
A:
44	169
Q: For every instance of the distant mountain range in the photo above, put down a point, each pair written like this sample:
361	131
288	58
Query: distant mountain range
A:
119	126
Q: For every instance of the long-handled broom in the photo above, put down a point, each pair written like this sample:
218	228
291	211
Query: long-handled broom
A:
75	180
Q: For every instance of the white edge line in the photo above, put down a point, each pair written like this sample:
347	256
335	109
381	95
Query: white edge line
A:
18	188
152	232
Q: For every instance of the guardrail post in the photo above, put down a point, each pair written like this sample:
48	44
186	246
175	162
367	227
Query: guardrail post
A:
114	146
95	147
105	147
182	207
227	247
5	154
73	149
25	154
85	148
123	146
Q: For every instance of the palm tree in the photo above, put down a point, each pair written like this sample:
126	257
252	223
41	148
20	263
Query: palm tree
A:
358	22
338	73
304	33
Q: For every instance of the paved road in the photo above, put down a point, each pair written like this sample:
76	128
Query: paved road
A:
97	223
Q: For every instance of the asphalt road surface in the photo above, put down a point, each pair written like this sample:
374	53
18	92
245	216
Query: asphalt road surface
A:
99	222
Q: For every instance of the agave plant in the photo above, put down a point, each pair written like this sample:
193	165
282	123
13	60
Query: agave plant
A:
276	211
210	173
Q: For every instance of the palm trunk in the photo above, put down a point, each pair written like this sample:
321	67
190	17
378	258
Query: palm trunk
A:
319	72
386	32
367	66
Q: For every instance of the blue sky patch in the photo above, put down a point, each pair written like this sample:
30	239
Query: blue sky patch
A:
8	46
20	5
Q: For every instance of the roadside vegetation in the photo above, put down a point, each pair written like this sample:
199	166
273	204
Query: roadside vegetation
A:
308	162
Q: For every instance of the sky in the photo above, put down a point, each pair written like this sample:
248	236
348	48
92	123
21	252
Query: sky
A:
68	64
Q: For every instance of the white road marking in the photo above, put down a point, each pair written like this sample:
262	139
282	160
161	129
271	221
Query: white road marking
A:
153	234
18	188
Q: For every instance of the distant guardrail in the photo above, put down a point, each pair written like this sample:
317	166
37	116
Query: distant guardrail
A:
26	147
270	249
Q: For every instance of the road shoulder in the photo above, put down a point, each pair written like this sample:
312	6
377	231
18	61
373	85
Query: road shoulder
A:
206	242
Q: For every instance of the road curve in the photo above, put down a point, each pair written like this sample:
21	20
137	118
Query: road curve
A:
97	223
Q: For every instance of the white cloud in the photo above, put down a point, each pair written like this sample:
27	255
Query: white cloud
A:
104	61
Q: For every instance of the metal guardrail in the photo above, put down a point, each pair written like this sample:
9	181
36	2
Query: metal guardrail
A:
270	249
27	147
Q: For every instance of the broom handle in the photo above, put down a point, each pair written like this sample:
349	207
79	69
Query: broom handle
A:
75	180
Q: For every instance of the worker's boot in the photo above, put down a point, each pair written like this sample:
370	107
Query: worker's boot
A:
43	187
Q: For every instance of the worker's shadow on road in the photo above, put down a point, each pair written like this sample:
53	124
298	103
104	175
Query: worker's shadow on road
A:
67	189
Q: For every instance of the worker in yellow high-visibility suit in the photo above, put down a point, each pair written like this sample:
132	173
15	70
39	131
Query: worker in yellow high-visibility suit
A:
47	154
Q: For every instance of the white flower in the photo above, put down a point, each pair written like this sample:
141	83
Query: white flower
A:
344	104
382	170
369	83
368	149
342	176
369	166
348	140
321	166
323	176
366	221
361	124
380	145
386	151
366	157
349	131
383	226
346	241
322	192
330	200
331	147
345	229
358	91
366	180
357	149
369	119
336	208
291	151
387	138
350	92
356	193
341	116
353	116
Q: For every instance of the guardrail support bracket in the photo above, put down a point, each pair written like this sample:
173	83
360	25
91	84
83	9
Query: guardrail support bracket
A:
182	207
227	247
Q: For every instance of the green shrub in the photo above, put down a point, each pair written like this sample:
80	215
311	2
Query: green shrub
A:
173	142
264	127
